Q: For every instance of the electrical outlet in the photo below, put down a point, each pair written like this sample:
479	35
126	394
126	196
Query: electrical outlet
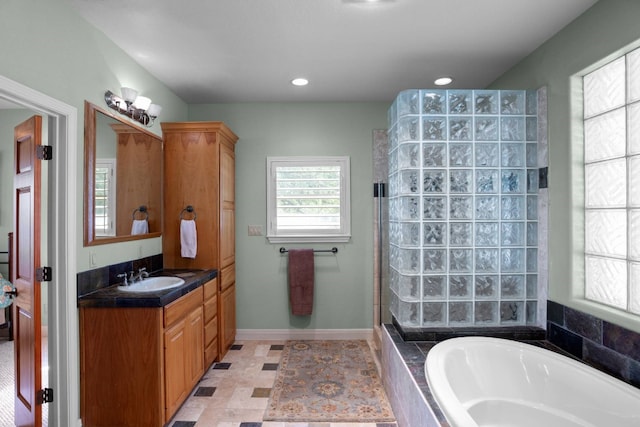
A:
93	259
255	230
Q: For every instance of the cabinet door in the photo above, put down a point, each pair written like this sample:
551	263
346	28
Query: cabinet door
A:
228	318
176	389
194	349
227	205
190	159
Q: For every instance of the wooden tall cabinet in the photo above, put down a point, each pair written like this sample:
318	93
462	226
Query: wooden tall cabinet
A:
139	161
199	171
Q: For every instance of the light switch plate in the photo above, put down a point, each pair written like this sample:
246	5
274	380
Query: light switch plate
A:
255	230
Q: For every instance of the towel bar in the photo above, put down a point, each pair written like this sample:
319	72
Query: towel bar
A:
141	209
333	250
189	209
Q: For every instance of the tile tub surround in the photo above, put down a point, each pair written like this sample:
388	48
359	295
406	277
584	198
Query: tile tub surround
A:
405	383
598	343
403	370
518	333
603	345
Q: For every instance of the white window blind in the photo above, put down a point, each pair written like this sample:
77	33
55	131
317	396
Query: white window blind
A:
105	203
308	199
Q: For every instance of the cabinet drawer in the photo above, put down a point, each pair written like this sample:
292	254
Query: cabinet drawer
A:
210	331
228	276
210	288
183	305
210	308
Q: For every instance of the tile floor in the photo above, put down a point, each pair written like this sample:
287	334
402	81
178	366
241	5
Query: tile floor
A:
234	392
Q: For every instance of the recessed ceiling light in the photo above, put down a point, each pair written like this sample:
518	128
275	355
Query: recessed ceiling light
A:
300	82
443	81
368	1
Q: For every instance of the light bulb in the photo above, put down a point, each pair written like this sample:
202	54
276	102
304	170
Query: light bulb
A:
142	103
154	110
128	94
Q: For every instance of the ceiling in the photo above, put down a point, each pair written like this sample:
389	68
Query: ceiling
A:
219	51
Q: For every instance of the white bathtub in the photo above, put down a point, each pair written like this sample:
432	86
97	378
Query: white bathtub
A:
480	381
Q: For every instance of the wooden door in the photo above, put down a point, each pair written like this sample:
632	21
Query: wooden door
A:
26	258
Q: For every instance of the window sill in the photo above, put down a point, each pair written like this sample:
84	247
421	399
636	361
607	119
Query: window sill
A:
309	239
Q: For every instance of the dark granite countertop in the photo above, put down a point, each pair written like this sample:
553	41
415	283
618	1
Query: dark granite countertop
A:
112	297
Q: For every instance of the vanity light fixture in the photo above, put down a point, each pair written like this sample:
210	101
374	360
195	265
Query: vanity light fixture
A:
138	108
443	81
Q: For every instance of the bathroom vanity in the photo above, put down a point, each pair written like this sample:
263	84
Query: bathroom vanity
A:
141	354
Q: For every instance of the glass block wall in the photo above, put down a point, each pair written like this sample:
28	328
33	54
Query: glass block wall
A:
463	228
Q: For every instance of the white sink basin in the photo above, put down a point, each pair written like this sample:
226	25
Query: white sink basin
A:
152	284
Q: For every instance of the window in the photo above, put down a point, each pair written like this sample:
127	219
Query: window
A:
105	203
308	199
611	120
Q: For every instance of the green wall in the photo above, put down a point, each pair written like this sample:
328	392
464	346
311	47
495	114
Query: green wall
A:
46	46
605	29
343	282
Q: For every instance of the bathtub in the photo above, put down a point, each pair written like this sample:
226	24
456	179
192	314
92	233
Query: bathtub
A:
481	381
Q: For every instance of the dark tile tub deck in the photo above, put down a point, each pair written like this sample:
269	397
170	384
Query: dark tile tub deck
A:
414	345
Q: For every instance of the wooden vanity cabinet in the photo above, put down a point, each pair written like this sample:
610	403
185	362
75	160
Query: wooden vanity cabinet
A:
138	365
199	171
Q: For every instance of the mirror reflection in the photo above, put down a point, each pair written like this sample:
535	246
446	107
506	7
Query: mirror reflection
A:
123	179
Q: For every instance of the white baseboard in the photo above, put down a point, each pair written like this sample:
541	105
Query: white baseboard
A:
303	334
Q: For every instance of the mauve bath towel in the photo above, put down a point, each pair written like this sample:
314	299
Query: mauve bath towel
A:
301	271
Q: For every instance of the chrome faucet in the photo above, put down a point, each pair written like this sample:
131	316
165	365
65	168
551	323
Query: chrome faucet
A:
142	273
123	276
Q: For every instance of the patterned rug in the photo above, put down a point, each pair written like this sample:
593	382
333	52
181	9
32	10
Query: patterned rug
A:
328	381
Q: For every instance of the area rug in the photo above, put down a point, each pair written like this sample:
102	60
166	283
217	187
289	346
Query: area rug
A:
328	381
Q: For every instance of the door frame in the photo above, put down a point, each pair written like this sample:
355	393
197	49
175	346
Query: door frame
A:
63	348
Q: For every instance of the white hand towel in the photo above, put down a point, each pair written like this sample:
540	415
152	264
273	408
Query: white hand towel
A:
188	238
140	226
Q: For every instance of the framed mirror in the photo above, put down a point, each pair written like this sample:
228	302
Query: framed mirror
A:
122	179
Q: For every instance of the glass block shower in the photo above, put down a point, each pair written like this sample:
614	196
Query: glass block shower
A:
463	208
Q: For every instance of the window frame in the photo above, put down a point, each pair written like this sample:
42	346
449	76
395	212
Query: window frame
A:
110	230
274	235
628	308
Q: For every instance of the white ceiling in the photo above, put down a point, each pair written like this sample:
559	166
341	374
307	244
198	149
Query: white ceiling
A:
217	51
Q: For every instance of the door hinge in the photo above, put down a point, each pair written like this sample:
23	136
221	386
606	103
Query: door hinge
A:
43	274
44	152
45	396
